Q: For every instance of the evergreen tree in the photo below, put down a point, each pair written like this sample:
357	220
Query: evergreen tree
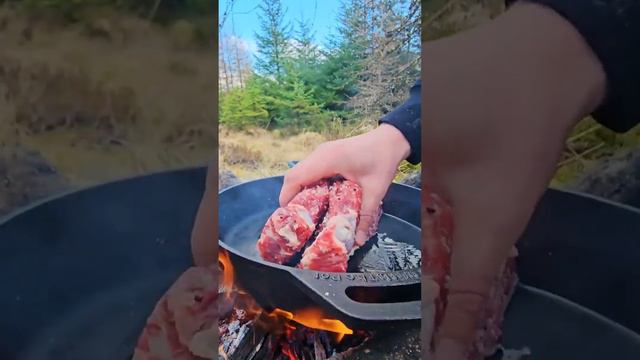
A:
244	107
386	52
363	71
273	39
306	51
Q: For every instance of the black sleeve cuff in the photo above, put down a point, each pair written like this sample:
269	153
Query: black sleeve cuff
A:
612	30
406	118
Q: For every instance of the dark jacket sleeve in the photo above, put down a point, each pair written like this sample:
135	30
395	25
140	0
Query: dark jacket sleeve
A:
612	30
406	118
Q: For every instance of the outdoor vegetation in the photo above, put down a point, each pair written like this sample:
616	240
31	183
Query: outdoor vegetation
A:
92	91
96	90
296	93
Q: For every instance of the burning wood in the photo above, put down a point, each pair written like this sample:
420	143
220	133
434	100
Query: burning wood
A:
181	325
248	332
272	337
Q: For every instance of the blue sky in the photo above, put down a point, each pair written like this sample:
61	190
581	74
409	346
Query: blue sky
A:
243	20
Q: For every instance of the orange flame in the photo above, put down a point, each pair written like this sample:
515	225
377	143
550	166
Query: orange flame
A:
227	271
312	317
222	353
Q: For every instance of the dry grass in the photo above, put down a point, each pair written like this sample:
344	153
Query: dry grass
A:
117	97
125	99
259	153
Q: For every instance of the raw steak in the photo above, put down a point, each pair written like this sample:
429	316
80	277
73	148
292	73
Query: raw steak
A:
289	228
183	325
336	239
437	231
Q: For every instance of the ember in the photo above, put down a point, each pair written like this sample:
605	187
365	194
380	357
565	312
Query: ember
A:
248	332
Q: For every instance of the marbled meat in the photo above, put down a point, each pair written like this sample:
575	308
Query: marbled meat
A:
289	228
438	227
336	240
183	324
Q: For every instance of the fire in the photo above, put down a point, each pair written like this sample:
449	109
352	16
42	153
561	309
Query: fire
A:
227	271
222	353
286	350
312	317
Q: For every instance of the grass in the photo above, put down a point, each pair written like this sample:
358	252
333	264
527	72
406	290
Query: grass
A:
116	96
258	153
131	99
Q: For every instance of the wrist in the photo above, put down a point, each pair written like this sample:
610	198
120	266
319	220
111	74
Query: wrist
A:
529	61
554	57
393	141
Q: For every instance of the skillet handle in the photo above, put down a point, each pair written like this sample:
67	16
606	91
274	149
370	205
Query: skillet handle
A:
332	290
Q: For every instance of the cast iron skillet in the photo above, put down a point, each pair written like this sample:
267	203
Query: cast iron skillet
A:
81	272
359	299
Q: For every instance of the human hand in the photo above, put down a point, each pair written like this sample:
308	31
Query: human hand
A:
370	159
204	238
500	101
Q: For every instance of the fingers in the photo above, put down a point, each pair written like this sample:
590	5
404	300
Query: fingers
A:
315	167
371	199
475	262
204	237
292	185
457	332
484	232
211	180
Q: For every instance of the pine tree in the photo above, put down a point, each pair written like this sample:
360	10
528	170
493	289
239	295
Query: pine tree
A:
306	51
273	39
353	30
386	49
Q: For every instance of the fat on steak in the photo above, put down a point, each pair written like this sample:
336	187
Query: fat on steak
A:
183	324
437	232
289	228
336	240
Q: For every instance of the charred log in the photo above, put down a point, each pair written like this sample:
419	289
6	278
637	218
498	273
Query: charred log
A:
260	336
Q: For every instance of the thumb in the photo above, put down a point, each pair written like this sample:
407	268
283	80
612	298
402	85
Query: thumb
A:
370	211
457	331
475	262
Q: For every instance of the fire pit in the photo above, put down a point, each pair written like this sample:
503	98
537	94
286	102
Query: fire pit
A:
249	332
81	274
319	315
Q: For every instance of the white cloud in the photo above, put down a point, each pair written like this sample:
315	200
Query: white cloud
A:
247	45
295	44
250	47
